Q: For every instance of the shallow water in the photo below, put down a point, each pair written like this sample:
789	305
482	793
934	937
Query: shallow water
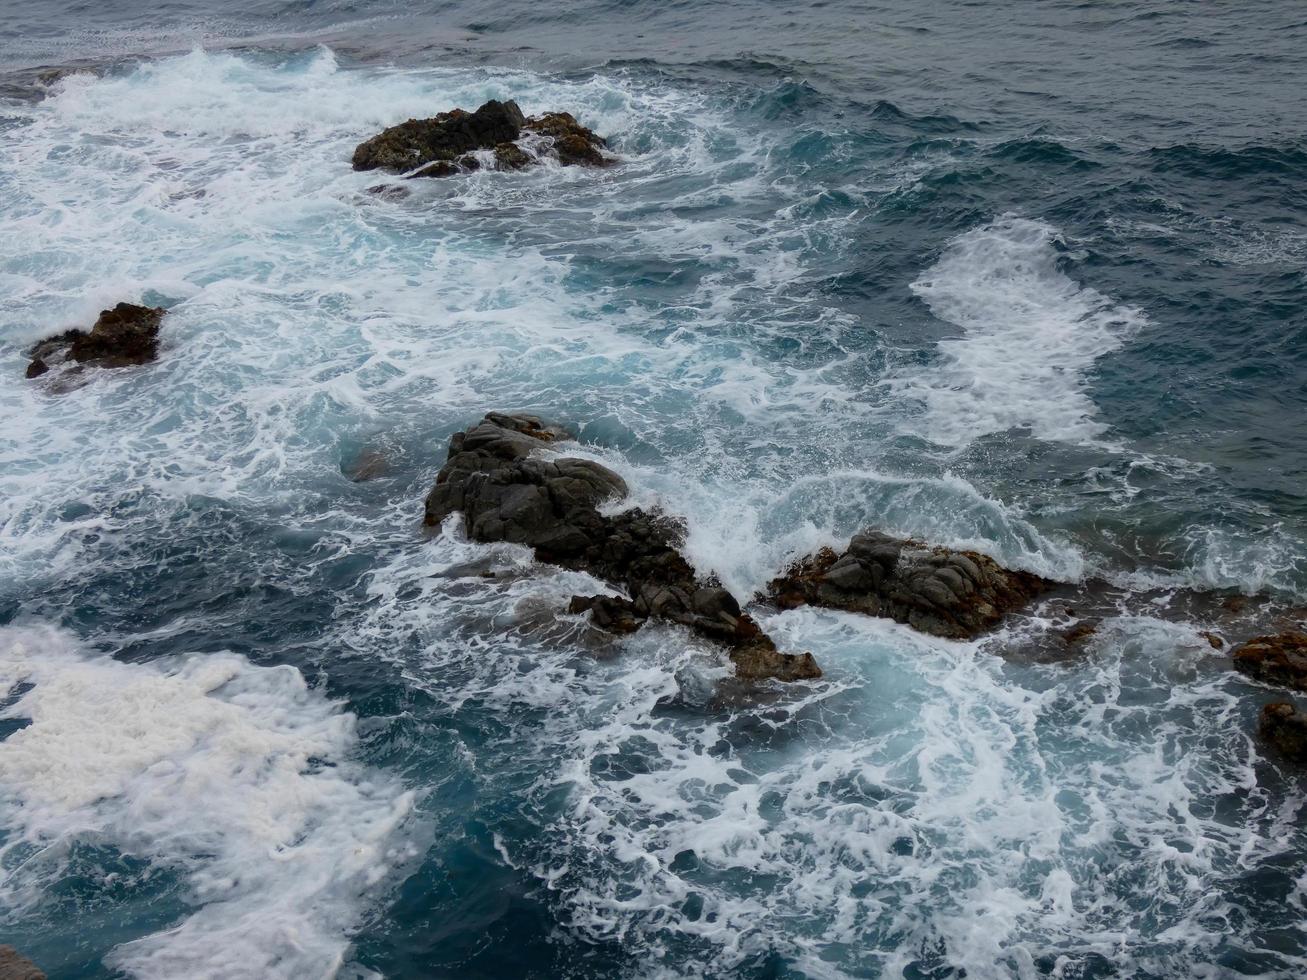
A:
1025	280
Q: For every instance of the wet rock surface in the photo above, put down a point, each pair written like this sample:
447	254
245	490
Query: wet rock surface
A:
1285	727
126	335
954	594
497	136
15	966
1277	659
505	491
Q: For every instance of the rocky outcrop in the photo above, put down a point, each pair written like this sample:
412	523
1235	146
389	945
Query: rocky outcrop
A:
956	594
507	490
1278	659
125	335
1285	727
496	136
15	966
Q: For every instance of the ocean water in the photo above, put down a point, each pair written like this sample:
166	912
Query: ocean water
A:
1026	278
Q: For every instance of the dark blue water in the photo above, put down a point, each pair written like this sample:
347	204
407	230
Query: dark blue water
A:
1023	277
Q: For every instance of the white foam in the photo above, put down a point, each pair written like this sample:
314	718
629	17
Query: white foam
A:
237	776
1030	335
922	802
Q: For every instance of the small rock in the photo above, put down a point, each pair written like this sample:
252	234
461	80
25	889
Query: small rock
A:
1284	727
447	144
126	335
1080	631
369	464
1213	640
1278	659
612	613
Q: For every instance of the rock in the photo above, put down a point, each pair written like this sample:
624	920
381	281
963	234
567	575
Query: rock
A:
506	490
370	464
1278	659
1284	727
448	143
1080	631
956	594
15	966
1213	640
612	613
125	335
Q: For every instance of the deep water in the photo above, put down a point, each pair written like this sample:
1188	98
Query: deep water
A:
1022	277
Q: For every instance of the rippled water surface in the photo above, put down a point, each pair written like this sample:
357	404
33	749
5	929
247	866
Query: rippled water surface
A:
1025	278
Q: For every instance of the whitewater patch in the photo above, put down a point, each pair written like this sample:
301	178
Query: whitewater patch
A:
1030	336
236	777
924	809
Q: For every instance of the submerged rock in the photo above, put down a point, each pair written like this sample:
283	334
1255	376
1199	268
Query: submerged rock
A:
1285	727
1278	659
506	492
955	594
1080	632
451	142
15	966
126	335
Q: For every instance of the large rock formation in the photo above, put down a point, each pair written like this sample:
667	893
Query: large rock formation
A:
496	477
1284	727
1278	659
496	136
15	966
956	594
125	335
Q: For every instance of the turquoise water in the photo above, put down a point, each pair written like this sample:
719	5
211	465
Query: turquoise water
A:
1025	282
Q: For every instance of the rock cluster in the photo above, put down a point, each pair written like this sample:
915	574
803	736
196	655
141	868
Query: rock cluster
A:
496	136
1284	727
125	335
506	491
15	966
1278	659
955	594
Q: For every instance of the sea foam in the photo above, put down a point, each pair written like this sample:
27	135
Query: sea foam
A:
1030	336
239	778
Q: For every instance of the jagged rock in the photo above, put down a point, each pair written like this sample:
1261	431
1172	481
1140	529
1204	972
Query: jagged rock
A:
125	335
448	143
1283	726
612	613
505	491
15	966
956	594
1278	659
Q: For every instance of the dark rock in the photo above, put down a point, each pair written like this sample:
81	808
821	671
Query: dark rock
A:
1081	631
15	966
506	491
1278	659
1284	727
446	144
957	594
612	613
123	336
389	192
370	464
